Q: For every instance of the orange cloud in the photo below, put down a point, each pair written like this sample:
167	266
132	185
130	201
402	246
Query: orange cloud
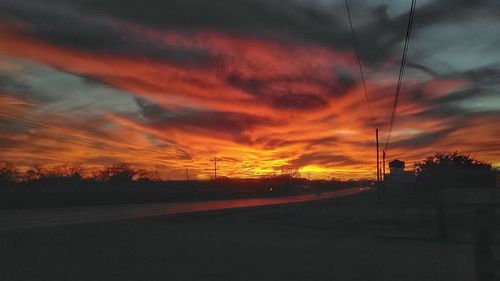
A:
259	104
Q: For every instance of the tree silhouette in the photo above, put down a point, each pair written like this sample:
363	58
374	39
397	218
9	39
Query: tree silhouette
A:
454	170
284	173
143	175
8	172
119	173
67	171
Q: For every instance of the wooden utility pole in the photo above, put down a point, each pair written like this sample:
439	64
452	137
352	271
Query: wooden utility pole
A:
383	165
215	160
187	174
384	186
378	167
378	157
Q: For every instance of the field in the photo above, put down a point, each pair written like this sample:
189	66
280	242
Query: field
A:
352	238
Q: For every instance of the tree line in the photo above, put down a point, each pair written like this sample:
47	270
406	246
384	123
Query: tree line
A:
442	170
454	170
119	173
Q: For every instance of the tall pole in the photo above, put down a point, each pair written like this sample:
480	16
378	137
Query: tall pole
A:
215	168
187	174
378	157
215	160
379	195
383	163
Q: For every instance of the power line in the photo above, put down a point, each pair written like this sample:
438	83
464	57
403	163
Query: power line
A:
401	71
356	49
358	57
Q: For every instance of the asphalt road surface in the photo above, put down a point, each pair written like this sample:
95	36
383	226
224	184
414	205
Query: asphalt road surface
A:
33	218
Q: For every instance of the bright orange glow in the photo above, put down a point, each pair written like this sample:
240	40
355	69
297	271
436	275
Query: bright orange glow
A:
258	104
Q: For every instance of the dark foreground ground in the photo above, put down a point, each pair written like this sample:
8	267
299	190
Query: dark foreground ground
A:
352	238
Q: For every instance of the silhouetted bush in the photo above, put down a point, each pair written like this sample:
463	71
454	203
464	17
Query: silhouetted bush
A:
454	170
8	173
117	174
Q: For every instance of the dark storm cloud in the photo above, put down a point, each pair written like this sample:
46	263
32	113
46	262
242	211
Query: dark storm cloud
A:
95	24
10	85
487	76
61	24
152	111
234	123
217	121
423	68
423	140
378	40
307	19
297	20
264	91
457	10
484	85
270	90
261	17
262	87
21	90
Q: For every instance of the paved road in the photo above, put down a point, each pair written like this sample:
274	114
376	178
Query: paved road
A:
32	218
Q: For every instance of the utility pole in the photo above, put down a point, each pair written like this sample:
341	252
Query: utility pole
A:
187	174
378	167
378	157
383	163
215	160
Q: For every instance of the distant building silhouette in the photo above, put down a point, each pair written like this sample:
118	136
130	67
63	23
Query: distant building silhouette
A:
397	176
396	166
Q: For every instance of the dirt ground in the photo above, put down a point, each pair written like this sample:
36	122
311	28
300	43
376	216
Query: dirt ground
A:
353	238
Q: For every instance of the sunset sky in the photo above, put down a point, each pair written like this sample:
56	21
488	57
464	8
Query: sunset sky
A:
261	84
